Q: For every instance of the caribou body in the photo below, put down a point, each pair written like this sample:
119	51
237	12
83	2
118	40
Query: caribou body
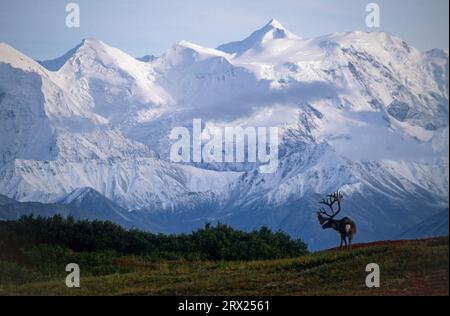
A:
345	226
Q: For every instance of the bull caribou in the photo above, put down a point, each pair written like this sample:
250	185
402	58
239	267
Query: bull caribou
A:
345	226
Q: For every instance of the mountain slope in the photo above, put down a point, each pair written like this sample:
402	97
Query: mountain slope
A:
436	225
4	200
96	205
83	203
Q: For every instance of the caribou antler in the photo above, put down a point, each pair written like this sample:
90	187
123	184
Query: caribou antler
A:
333	198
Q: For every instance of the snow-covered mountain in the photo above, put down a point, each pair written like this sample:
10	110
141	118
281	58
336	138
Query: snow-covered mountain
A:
363	112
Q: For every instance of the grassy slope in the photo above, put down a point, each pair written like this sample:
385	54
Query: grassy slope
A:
407	268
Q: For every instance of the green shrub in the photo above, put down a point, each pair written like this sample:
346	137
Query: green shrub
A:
11	272
39	237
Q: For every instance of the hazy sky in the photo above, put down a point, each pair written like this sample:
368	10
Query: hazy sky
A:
37	27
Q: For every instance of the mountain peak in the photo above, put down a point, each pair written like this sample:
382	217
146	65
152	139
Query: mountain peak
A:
270	32
275	24
187	52
91	42
85	44
273	30
186	44
89	49
77	194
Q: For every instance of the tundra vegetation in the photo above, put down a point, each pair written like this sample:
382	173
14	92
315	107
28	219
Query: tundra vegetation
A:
214	260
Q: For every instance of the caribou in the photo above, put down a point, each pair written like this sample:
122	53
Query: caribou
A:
345	226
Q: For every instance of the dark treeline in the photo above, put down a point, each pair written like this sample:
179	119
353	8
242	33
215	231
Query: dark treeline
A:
219	242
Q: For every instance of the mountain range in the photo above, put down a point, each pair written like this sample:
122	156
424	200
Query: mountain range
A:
363	112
